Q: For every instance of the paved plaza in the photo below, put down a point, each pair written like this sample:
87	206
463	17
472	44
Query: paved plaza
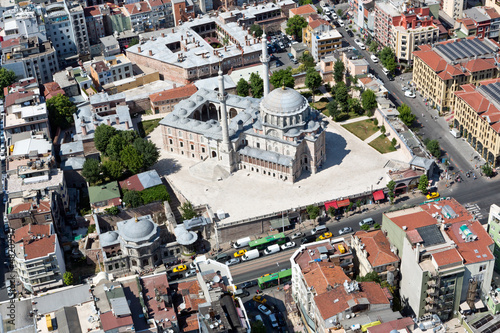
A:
352	167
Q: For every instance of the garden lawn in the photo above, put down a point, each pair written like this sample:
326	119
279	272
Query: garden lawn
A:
147	126
362	129
382	144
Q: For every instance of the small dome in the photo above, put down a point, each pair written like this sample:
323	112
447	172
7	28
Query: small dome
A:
191	104
139	229
184	120
293	131
187	238
199	98
174	117
284	101
109	237
207	126
311	124
182	112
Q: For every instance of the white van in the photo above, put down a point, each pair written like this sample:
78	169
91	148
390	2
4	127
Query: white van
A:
272	249
242	242
319	230
274	322
385	70
455	133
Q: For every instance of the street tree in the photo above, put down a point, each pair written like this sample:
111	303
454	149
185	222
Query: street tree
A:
256	29
257	326
103	133
312	211
369	101
423	183
487	170
349	208
338	71
434	148
132	199
7	77
391	186
242	88
405	115
295	25
91	170
373	47
132	159
61	111
313	80
256	85
283	77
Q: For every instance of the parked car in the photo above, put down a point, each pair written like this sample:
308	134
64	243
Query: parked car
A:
262	308
341	23
180	268
288	245
345	230
308	239
410	94
248	284
326	235
259	299
368	221
233	261
360	43
374	58
297	235
191	272
349	32
432	195
239	253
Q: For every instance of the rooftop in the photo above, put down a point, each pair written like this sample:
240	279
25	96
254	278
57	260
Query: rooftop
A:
179	92
36	248
104	192
377	247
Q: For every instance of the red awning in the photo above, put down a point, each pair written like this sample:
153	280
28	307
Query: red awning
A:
331	204
378	195
343	203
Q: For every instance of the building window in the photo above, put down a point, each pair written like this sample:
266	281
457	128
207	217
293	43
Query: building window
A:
110	267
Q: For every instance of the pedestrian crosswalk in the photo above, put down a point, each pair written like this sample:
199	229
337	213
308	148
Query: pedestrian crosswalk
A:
474	210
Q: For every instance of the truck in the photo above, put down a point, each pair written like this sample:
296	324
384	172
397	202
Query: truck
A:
455	132
242	242
272	249
252	254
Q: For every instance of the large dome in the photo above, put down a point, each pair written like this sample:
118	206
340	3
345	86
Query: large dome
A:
133	230
284	101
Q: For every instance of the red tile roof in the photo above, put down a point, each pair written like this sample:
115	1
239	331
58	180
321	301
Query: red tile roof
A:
190	293
100	66
40	247
316	23
132	183
492	13
447	257
26	232
52	89
137	8
110	322
323	275
11	98
92	11
378	248
414	220
179	92
10	42
474	251
157	309
399	324
306	9
336	300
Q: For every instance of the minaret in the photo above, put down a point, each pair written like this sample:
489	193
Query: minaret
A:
226	144
264	58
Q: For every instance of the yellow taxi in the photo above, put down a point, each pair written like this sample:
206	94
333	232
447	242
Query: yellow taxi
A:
259	299
239	253
326	235
180	268
432	195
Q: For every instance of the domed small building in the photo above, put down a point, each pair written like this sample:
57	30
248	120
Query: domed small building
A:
279	136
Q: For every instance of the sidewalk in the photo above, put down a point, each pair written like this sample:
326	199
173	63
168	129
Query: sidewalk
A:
373	137
354	120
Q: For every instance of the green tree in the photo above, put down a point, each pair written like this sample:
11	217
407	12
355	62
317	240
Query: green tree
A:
7	77
375	121
256	29
91	170
150	153
313	80
242	88
394	142
382	129
155	193
359	204
112	169
307	60
61	111
187	211
355	106
115	146
257	326
369	101
391	65
333	109
295	25
133	41
331	211
405	115
434	148
376	226
391	186
423	183
112	210
305	2
387	58
365	227
372	276
487	170
342	96
129	136
132	159
256	85
68	278
132	199
349	208
373	47
339	12
103	133
283	77
312	211
338	71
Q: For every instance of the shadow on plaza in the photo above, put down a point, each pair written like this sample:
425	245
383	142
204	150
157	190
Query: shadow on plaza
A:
335	150
167	166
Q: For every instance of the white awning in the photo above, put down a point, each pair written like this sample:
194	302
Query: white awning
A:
464	307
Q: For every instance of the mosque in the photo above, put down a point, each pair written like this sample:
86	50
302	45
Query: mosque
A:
279	136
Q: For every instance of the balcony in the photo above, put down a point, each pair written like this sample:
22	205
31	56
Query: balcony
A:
432	291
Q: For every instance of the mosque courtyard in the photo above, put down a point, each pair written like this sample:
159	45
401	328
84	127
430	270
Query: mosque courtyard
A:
352	167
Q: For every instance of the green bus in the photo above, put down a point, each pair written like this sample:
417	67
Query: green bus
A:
262	243
275	279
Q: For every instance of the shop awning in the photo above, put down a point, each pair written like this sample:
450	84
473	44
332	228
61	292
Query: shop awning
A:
343	203
378	195
280	223
333	204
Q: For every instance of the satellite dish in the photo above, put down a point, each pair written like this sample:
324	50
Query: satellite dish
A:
216	279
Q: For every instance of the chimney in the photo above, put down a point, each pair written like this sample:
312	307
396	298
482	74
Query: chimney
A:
109	121
182	37
117	119
172	30
150	53
127	126
174	86
84	129
139	49
163	34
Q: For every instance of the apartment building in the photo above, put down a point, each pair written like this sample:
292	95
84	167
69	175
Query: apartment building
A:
404	29
96	20
374	254
321	38
477	117
446	257
363	14
39	260
22	23
161	14
454	8
494	232
482	22
326	297
441	69
30	57
139	14
304	11
111	69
